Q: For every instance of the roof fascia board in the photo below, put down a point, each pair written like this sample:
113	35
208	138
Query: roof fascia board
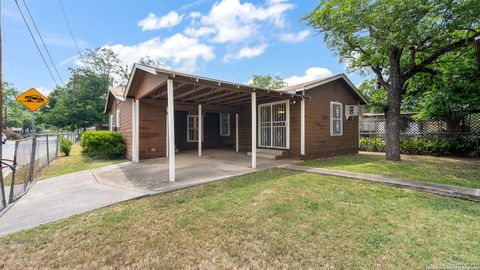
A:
333	78
132	75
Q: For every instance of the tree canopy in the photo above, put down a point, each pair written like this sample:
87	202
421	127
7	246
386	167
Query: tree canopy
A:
268	82
395	40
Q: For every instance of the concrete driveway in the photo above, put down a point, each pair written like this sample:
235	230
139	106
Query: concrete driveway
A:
151	176
60	197
67	195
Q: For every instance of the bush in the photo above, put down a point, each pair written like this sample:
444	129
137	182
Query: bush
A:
65	145
12	135
103	144
421	146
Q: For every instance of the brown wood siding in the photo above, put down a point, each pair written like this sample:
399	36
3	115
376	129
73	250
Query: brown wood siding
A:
212	137
152	131
318	141
125	128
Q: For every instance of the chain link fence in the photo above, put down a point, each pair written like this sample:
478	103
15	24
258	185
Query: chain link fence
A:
23	161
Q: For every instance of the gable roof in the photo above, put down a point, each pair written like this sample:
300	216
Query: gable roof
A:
312	84
195	78
116	92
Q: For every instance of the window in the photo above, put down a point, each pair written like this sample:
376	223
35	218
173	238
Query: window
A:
224	124
192	128
117	119
111	122
336	121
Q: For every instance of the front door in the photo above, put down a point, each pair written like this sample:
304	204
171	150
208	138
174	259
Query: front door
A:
273	124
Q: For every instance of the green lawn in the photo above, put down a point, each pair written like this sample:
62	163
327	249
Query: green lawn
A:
74	163
450	171
271	219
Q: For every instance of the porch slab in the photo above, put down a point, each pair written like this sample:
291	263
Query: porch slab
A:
151	176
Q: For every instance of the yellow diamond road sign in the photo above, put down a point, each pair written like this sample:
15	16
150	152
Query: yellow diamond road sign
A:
32	99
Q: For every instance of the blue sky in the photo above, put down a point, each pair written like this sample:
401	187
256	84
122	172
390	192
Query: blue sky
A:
224	39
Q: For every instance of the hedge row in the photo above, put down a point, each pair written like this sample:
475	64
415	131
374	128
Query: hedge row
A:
103	144
419	146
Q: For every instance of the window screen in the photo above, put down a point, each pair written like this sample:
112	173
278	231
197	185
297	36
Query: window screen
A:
336	123
224	124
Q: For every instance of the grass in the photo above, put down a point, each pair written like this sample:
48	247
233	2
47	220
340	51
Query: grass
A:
74	163
271	219
450	171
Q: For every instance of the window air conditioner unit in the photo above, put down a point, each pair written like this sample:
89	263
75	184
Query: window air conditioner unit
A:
351	110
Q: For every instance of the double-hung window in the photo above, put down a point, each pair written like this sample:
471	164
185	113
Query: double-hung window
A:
192	128
117	118
111	122
336	120
224	124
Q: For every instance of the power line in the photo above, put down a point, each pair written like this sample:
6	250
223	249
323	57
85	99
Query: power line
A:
41	39
70	29
35	41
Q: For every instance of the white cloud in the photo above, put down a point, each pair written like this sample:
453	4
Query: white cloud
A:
75	59
65	42
311	74
293	38
246	52
44	90
152	22
179	51
232	21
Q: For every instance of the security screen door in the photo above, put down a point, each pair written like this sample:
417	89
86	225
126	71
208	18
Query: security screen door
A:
273	124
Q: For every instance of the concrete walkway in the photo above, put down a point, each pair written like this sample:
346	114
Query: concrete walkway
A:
67	195
445	190
61	197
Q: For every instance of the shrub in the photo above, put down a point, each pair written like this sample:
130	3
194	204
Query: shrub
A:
372	144
421	146
65	145
103	144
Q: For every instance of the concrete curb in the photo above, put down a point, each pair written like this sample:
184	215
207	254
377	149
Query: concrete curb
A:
465	193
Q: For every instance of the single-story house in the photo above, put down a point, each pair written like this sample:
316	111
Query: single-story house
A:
158	115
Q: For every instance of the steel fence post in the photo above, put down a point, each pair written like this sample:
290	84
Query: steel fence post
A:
10	199
32	159
56	146
48	149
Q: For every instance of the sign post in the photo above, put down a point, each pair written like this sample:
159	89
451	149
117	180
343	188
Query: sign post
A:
33	100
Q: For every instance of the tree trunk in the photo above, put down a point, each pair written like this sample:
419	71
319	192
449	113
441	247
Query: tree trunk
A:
392	112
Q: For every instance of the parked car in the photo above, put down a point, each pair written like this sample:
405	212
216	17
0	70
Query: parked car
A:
4	138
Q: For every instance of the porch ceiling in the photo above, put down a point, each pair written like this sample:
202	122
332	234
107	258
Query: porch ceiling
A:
198	90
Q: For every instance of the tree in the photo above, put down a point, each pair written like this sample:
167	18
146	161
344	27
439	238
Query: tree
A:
82	100
146	61
268	82
14	113
395	40
452	93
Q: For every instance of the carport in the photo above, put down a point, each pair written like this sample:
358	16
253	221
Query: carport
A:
152	175
196	97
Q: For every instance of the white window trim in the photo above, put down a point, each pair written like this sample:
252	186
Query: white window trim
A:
221	124
117	118
111	122
188	129
331	118
287	106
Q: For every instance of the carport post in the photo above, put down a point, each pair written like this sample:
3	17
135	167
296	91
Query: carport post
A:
171	132
200	130
302	127
254	130
236	132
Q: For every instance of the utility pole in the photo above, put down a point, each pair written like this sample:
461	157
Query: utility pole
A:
4	201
